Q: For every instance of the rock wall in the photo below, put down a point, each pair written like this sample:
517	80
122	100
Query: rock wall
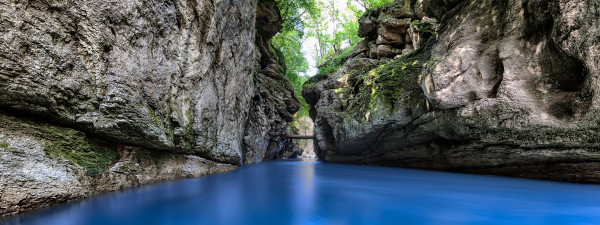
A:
101	95
504	87
44	164
387	31
274	101
156	74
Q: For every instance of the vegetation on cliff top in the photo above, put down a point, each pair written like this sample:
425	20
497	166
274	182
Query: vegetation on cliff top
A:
331	27
335	31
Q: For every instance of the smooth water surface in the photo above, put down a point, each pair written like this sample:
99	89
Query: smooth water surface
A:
300	192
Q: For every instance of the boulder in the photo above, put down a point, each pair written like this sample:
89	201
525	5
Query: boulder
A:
361	47
368	25
373	51
387	51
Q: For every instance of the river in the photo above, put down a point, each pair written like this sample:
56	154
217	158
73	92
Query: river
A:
310	192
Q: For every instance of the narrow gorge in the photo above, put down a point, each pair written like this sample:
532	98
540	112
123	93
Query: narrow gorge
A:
98	96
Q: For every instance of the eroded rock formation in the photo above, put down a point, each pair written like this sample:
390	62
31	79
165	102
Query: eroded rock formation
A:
392	31
274	101
102	95
505	87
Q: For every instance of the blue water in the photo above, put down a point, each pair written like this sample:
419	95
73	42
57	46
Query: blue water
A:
301	192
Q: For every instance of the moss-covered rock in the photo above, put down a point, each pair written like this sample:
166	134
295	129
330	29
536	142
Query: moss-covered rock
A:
69	164
65	143
486	95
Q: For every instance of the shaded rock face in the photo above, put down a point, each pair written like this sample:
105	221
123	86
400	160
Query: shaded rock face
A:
505	87
274	101
97	96
158	74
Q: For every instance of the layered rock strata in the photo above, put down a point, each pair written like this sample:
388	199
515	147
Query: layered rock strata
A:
274	101
392	31
504	87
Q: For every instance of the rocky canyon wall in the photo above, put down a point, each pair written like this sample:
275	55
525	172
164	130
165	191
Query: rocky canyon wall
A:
506	87
101	95
274	101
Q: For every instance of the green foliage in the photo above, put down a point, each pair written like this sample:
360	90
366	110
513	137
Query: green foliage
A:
314	80
293	11
334	62
289	45
288	42
6	147
372	4
349	32
379	3
334	28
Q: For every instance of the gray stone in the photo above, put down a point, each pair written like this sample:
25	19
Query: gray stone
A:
386	51
407	50
32	175
274	101
439	8
367	25
484	96
373	51
152	73
151	90
361	47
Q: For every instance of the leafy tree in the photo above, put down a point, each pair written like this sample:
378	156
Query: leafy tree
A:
371	4
292	12
289	40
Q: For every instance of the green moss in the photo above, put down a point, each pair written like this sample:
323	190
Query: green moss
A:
424	28
65	143
6	147
311	82
76	147
190	136
159	121
388	82
334	63
153	116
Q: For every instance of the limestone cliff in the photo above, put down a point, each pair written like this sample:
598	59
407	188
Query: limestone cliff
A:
274	101
102	95
505	87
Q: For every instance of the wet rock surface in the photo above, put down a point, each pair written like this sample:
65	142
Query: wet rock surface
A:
503	87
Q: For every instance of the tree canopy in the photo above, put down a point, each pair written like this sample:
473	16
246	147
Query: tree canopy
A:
332	24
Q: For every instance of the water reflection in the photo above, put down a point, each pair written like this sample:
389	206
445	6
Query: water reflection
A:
300	192
304	197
